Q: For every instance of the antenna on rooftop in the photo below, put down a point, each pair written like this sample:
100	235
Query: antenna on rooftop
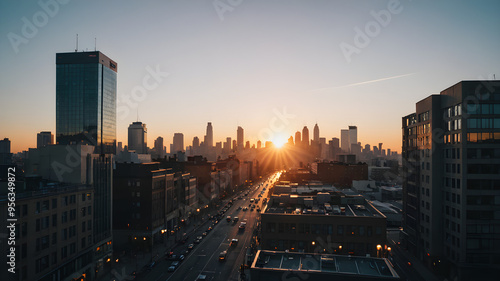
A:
76	50
95	44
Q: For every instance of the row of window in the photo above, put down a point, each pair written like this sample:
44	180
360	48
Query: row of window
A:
483	123
483	184
483	153
451	182
44	205
484	108
326	229
493	169
454	125
455	110
484	137
452	138
452	153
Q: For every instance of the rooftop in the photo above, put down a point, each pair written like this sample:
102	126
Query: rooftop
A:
274	260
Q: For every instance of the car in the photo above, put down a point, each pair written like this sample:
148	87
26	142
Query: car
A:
197	241
222	256
260	195
190	247
150	266
252	209
245	209
234	242
209	229
199	238
181	258
175	264
236	219
172	258
201	277
228	218
186	252
204	234
239	208
171	268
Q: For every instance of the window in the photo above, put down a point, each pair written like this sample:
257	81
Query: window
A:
41	264
340	230
54	220
54	258
64	252
83	226
64	217
72	215
72	248
54	203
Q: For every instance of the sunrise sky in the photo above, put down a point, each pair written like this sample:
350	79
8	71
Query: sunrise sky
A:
246	63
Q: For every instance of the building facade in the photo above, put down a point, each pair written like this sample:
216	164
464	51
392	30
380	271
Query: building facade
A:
451	157
86	100
138	138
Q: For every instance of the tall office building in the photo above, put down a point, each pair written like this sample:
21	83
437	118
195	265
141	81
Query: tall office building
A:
316	133
227	146
298	139
209	139
305	136
178	143
158	147
86	100
240	137
5	154
451	156
44	138
353	136
138	137
344	140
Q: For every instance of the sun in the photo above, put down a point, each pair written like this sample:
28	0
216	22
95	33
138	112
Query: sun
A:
279	141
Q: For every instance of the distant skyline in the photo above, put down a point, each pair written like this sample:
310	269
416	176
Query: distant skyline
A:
183	64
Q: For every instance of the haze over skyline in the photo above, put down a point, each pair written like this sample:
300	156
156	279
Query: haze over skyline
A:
183	64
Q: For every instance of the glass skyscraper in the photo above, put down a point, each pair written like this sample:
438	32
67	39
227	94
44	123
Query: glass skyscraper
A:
86	100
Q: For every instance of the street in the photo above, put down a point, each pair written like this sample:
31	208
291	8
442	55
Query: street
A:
204	257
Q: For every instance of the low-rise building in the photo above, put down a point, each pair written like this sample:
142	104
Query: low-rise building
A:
274	265
325	222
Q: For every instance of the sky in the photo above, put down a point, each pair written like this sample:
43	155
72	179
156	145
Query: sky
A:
271	67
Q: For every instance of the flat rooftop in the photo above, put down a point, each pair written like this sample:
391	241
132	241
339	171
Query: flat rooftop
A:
354	210
366	266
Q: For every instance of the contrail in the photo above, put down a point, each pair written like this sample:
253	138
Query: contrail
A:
365	82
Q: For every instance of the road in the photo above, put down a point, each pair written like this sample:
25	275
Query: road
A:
204	258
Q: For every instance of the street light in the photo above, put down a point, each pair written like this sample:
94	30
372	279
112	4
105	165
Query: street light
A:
379	247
